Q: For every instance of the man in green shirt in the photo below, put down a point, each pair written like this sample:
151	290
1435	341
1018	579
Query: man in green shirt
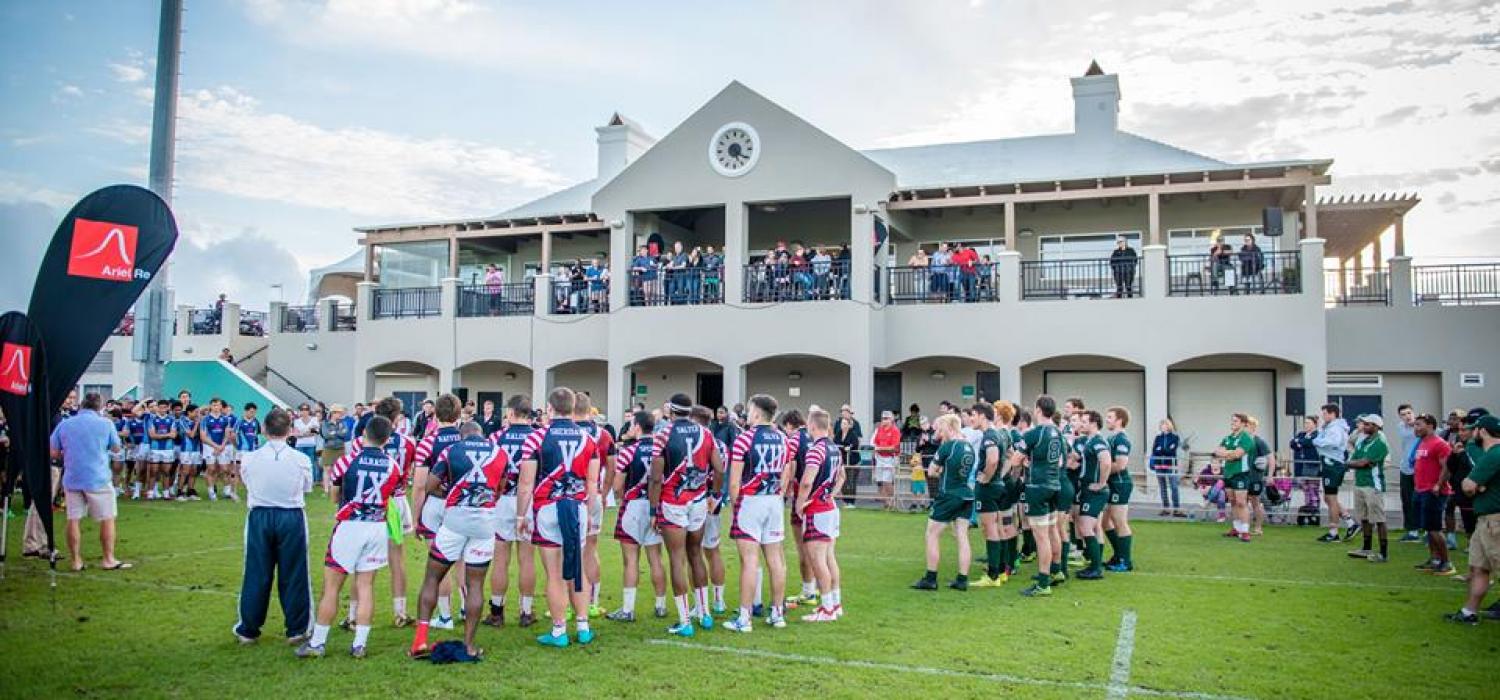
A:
1117	514
1236	450
1043	447
990	492
1483	485
1093	491
953	503
1368	463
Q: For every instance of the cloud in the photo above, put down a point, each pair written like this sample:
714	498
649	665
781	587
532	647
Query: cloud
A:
67	92
132	69
1485	106
26	226
211	260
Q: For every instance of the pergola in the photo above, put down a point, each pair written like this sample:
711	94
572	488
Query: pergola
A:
1350	223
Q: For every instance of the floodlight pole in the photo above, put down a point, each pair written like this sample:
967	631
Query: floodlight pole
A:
156	348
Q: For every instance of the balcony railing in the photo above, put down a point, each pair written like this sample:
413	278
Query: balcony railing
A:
253	322
1356	288
1456	285
1080	279
773	282
203	322
512	299
408	302
674	287
344	318
943	285
299	319
580	296
1276	272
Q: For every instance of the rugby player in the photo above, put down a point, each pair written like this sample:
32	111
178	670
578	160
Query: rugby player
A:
188	453
217	452
512	438
140	449
1263	463
398	516
583	415
712	556
1236	450
366	484
954	502
470	474
559	466
442	433
1042	447
634	528
1332	442
161	431
684	467
990	489
795	429
757	491
247	440
1093	491
1117	513
229	467
823	477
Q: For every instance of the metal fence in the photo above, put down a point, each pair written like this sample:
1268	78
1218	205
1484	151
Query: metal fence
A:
1456	285
1080	279
580	296
513	299
774	282
675	287
299	319
254	322
408	302
1351	287
943	285
344	318
203	322
1276	272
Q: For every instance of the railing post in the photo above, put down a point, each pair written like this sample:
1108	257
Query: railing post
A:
229	323
1156	282
541	296
275	317
1008	279
364	301
327	312
448	297
184	320
1311	250
1400	282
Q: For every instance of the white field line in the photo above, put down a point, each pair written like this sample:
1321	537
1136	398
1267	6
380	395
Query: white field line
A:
927	670
1119	672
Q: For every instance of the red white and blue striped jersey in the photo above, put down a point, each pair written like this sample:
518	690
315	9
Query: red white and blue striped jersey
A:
797	444
685	448
825	462
471	472
368	485
763	452
431	447
512	440
605	445
634	461
562	452
400	447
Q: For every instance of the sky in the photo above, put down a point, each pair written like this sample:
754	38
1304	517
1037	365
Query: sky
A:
301	119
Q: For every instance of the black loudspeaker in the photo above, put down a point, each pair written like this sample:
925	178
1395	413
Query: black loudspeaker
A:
1270	221
1296	401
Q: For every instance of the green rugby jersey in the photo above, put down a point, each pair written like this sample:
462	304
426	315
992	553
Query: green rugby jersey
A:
998	439
1092	447
1240	440
1373	448
957	459
1043	444
1119	448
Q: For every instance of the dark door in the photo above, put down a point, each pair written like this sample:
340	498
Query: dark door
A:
887	394
411	401
986	387
711	389
1352	406
462	392
497	396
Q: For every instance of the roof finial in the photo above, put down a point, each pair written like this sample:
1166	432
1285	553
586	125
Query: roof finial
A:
1094	69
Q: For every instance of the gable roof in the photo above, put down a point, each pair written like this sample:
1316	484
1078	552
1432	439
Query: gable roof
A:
1036	159
574	200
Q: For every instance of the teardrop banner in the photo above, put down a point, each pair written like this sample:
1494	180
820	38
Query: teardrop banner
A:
28	417
104	254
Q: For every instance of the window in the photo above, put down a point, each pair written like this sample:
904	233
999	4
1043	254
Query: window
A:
1471	380
1196	241
105	390
103	363
421	264
1355	381
1085	246
411	401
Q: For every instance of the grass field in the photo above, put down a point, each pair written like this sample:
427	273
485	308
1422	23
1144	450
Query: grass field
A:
1212	618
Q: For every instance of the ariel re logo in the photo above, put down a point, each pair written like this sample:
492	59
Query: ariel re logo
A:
104	250
15	368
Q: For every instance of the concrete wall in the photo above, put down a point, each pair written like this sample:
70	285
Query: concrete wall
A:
1446	341
918	385
491	376
824	382
667	376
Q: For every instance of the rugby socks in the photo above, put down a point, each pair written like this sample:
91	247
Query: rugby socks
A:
1028	543
352	609
718	596
1368	536
398	603
581	622
1094	552
994	557
319	636
560	629
1124	551
1114	543
682	608
526	604
628	594
497	603
420	639
809	588
661	602
744	617
700	600
444	608
361	635
838	596
593	594
1006	556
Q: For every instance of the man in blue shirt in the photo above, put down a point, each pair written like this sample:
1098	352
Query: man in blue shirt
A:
1408	432
83	443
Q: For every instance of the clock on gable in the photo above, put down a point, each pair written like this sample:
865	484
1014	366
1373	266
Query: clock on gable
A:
734	149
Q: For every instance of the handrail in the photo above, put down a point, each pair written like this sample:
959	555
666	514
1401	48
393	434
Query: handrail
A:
292	384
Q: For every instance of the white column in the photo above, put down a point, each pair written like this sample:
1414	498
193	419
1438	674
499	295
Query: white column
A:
1153	218
1400	236
862	258
541	383
1156	398
542	294
861	391
1010	384
546	251
364	297
736	250
229	323
1401	282
1008	276
620	396
620	253
1154	273
1312	269
448	297
275	316
1010	225
327	314
447	377
734	383
1309	211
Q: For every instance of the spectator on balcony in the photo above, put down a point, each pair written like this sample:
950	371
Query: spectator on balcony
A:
842	265
713	273
642	274
1122	263
822	267
218	315
676	272
966	260
939	263
1252	262
1220	261
801	272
